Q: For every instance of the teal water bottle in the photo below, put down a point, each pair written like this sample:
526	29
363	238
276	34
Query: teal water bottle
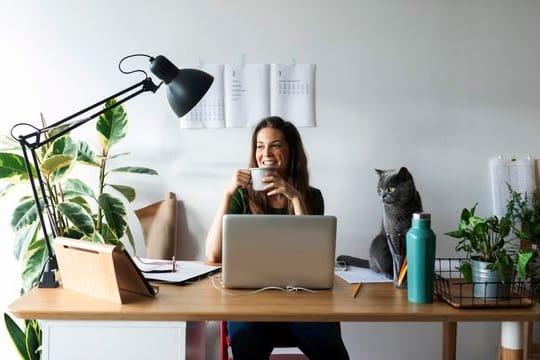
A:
420	259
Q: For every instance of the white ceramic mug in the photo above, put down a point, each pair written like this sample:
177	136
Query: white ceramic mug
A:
257	174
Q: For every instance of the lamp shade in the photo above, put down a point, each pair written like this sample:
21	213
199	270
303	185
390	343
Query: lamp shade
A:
185	87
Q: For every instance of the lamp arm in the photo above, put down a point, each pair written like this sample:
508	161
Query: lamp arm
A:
47	277
66	126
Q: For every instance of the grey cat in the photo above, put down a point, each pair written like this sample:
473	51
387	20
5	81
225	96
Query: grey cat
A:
400	199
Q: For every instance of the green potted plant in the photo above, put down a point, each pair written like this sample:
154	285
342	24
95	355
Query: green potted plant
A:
79	211
490	258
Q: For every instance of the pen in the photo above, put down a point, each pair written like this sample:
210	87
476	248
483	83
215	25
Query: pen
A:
356	290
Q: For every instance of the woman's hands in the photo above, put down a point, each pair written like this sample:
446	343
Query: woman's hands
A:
277	185
241	179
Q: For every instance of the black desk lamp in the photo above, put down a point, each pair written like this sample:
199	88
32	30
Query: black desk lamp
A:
185	88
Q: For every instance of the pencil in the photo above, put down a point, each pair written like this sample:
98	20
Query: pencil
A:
402	272
356	290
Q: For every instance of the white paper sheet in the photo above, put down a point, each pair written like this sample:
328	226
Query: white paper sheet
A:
210	111
355	275
185	270
292	93
247	94
519	173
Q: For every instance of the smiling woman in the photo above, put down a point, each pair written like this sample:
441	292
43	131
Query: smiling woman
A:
275	144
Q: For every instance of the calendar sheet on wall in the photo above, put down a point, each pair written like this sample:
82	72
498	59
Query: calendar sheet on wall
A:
241	95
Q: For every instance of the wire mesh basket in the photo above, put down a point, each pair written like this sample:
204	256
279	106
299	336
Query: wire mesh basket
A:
450	286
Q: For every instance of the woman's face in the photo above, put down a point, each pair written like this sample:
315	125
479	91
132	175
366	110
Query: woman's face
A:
272	150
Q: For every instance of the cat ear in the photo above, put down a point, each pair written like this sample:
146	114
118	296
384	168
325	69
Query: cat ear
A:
404	173
379	171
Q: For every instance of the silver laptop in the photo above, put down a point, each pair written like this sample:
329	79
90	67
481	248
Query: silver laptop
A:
278	250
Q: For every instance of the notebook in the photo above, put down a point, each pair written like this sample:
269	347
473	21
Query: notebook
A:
278	250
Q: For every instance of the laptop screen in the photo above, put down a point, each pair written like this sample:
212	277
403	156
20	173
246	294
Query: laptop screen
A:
278	250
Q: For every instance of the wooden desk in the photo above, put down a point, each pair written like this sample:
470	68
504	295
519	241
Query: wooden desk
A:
201	301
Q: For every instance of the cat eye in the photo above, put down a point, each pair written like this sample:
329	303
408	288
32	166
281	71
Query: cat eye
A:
391	189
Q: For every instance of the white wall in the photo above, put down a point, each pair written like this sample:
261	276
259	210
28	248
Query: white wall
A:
439	86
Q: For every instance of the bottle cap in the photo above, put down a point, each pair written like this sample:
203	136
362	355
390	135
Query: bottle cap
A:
422	216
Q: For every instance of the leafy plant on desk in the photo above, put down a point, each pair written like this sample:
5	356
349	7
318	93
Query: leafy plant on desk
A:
482	239
78	211
486	239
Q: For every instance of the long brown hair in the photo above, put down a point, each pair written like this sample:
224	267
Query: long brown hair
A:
297	173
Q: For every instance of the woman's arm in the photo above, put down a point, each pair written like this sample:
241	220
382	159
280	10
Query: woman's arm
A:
213	239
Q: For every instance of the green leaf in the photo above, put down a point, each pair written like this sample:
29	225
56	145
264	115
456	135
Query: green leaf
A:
16	334
75	188
108	235
78	216
24	214
34	259
458	234
32	342
56	163
523	261
112	125
73	233
135	169
12	168
65	146
94	237
466	270
82	202
127	191
115	213
131	239
86	155
24	237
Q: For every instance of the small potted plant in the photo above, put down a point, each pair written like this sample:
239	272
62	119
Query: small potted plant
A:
489	258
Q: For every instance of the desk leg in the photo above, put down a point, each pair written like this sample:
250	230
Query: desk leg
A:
449	329
511	340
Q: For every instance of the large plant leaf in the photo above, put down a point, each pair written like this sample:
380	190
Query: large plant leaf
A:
23	237
112	125
56	163
34	259
17	335
115	213
82	202
136	170
24	214
12	168
86	155
78	216
127	191
108	235
75	188
66	146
